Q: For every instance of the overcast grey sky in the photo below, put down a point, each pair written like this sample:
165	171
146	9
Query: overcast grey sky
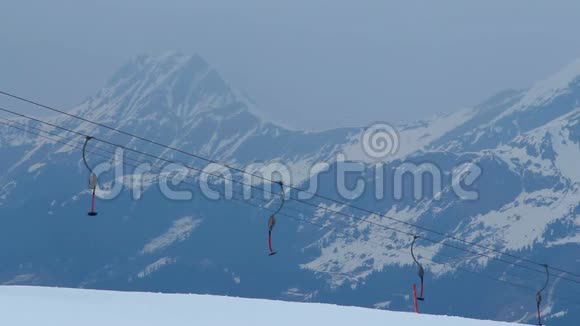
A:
309	64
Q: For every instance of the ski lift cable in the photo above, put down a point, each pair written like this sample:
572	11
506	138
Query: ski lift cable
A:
442	234
95	148
436	262
253	186
485	275
112	153
67	142
295	199
314	205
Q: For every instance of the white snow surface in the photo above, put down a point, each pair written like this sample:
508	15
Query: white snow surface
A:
68	307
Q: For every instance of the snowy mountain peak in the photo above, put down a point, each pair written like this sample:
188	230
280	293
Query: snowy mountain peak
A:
560	92
167	88
146	64
553	86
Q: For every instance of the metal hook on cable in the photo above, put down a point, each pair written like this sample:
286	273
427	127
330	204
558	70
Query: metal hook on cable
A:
421	273
272	219
539	294
92	177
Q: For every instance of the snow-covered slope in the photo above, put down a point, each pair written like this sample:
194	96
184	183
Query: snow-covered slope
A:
68	307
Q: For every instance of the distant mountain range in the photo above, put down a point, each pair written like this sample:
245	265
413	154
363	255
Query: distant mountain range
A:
526	144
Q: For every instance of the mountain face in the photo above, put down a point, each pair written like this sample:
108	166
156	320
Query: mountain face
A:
520	147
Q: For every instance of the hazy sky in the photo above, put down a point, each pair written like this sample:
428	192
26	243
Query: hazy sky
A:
307	63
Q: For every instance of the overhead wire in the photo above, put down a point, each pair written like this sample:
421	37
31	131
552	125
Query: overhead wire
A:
442	234
410	234
342	233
